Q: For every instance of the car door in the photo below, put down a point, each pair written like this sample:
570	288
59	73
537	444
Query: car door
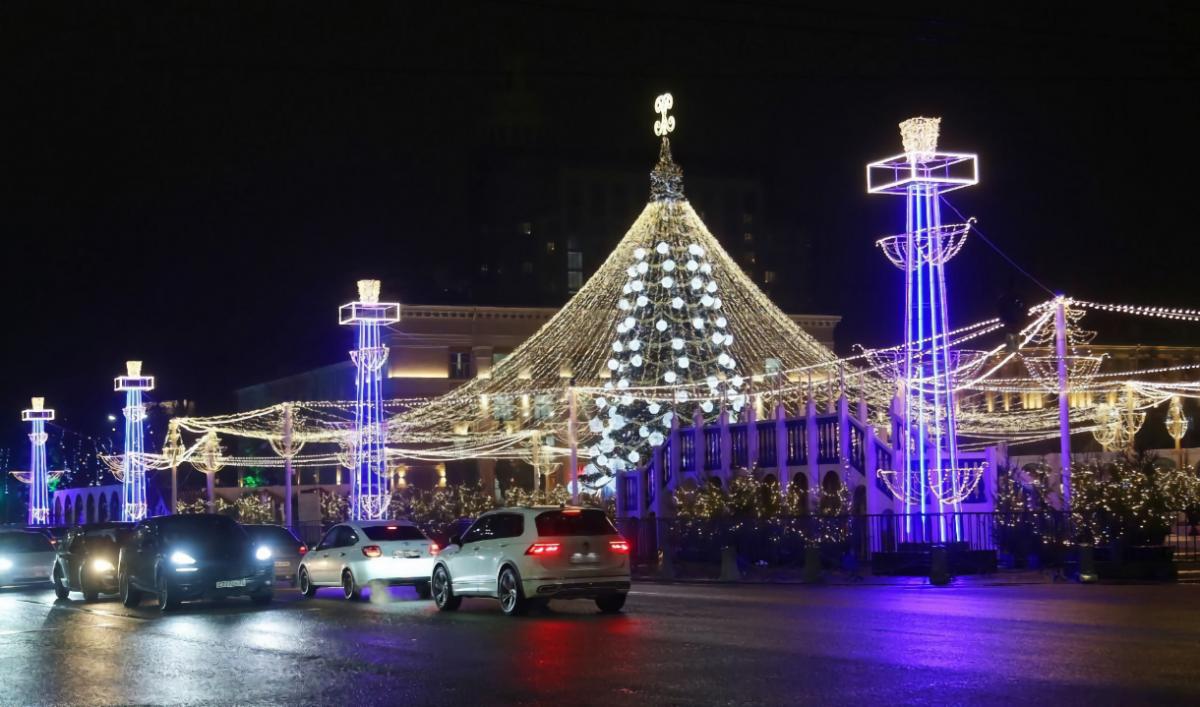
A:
318	562
506	529
144	549
346	551
466	565
69	557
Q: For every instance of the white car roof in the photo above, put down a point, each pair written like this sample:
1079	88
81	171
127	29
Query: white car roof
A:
373	523
533	510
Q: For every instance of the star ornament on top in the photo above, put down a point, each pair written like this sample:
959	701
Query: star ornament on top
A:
666	123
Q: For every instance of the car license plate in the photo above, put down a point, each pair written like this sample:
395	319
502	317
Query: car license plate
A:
229	583
406	554
282	565
581	559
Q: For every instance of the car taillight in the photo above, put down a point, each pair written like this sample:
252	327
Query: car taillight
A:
373	551
303	550
621	547
434	548
542	549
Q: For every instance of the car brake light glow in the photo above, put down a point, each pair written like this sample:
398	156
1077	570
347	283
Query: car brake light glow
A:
393	527
434	548
543	549
572	511
620	547
372	551
303	550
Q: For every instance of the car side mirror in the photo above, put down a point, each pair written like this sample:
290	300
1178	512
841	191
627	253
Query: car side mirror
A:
456	540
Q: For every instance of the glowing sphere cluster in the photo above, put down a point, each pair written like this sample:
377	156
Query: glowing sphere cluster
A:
670	355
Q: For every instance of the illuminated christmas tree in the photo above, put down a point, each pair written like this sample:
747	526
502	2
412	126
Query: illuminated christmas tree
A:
673	333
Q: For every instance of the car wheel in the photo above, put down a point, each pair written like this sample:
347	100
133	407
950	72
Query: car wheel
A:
443	593
60	587
130	597
89	592
350	588
508	590
263	597
423	590
167	601
611	603
307	589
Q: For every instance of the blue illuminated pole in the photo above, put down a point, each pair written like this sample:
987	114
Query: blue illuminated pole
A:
928	442
39	476
133	464
371	486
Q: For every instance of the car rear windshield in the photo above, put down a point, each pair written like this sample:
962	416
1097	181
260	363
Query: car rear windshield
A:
272	535
384	533
25	542
586	522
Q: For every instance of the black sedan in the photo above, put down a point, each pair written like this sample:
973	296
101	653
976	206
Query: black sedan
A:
86	559
201	556
286	548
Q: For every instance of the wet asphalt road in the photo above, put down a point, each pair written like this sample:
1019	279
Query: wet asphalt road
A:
1060	644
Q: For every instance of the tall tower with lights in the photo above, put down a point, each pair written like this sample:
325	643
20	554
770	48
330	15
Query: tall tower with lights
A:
371	485
929	478
133	465
39	476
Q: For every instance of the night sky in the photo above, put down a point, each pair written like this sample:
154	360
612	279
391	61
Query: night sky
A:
199	188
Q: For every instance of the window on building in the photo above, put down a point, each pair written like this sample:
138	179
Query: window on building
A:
574	260
525	227
460	365
550	246
748	237
574	280
769	276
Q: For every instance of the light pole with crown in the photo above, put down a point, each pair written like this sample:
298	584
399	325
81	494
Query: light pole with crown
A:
929	475
371	485
133	465
39	475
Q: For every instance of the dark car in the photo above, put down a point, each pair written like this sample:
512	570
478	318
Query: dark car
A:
453	529
202	556
286	548
86	559
56	533
25	557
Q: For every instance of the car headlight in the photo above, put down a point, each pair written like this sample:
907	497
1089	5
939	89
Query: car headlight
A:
263	553
5	564
182	558
102	565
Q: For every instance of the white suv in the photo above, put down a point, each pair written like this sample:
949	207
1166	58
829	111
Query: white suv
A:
368	553
525	556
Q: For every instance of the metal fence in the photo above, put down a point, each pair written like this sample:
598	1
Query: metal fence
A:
1019	539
